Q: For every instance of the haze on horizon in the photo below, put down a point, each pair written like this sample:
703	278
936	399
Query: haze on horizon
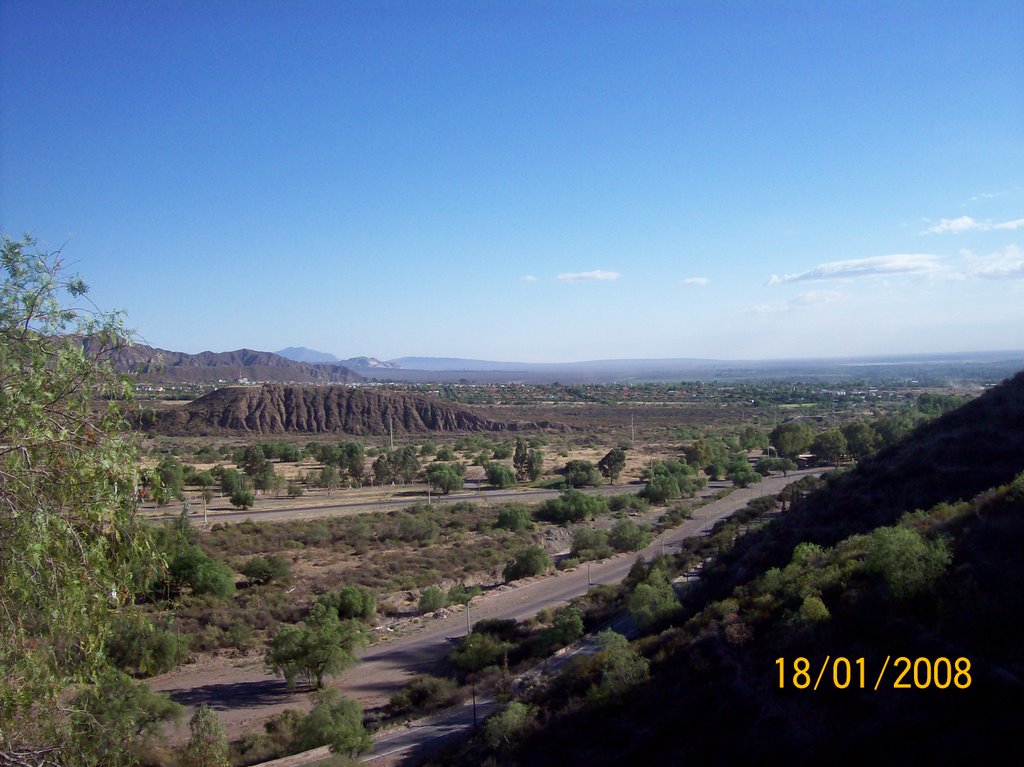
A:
537	182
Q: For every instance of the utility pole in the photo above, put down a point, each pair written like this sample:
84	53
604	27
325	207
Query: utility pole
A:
632	431
391	433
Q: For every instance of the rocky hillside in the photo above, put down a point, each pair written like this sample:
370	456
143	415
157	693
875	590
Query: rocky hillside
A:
151	364
278	409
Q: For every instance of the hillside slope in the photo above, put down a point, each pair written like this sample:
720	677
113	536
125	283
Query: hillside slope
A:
280	409
881	581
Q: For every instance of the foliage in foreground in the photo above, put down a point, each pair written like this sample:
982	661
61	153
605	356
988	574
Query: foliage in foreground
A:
70	543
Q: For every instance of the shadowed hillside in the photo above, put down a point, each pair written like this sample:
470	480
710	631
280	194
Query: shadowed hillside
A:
975	447
915	555
278	409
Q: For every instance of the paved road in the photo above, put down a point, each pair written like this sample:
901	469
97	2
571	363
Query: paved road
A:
246	695
347	508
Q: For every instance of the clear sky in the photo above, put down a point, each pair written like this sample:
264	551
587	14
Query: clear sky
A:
535	181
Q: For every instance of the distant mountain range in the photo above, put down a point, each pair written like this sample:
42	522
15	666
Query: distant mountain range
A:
152	364
303	365
302	354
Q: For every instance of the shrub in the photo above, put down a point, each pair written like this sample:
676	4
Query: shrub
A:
572	506
499	475
432	599
627	535
425	693
905	561
588	543
578	473
529	561
514	518
352	602
266	569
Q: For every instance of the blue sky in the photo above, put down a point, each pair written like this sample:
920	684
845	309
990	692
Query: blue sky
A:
527	181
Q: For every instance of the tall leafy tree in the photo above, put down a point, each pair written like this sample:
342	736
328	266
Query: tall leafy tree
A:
69	537
612	464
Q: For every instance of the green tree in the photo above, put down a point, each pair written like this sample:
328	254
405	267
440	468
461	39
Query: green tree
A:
328	477
861	439
521	458
612	464
323	646
352	602
504	728
829	446
172	477
514	518
263	570
627	535
534	465
529	561
792	438
588	543
478	651
242	499
579	473
118	711
572	506
208	745
622	666
499	475
907	563
336	722
70	541
445	477
566	628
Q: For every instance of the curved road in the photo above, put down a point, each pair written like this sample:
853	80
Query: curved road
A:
246	695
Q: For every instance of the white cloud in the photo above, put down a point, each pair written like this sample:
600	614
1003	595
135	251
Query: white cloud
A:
811	298
875	266
1007	264
694	281
598	275
968	224
529	278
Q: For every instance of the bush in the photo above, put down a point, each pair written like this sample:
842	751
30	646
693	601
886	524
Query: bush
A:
423	694
203	575
905	561
414	527
566	628
502	450
352	602
445	477
432	599
572	506
242	499
627	535
504	729
580	473
266	569
532	560
460	595
139	647
588	543
499	475
514	518
337	722
478	651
